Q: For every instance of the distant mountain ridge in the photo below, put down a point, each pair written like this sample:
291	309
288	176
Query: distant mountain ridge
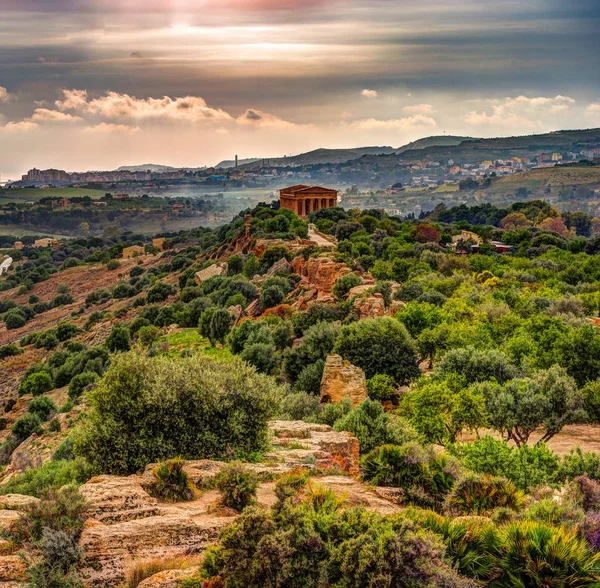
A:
435	141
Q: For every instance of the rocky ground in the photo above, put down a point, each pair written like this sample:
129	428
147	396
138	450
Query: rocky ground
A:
126	524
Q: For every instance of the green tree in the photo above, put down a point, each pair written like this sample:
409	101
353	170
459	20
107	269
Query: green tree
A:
119	339
549	400
379	346
344	284
148	409
37	383
220	324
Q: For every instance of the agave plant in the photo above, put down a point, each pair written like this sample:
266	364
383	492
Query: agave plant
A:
537	554
171	483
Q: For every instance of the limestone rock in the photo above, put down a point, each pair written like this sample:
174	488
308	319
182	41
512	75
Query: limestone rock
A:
12	569
281	266
8	518
371	307
168	578
236	312
359	290
217	269
321	273
17	501
253	309
115	499
109	548
342	380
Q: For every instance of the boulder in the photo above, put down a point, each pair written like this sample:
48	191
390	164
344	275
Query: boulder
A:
321	273
17	501
279	267
370	307
108	549
114	499
342	380
216	269
396	306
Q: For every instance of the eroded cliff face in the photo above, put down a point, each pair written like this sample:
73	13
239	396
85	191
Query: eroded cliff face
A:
342	380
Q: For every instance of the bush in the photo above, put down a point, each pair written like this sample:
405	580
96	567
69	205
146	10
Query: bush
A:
237	484
579	463
80	382
424	477
136	270
147	335
300	406
9	350
310	378
37	383
42	406
66	331
160	292
148	409
373	427
220	323
170	482
344	284
480	494
262	356
537	554
271	296
379	346
381	387
119	339
113	264
478	366
14	320
526	467
26	426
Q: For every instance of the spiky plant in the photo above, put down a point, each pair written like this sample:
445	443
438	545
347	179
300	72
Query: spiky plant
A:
481	494
171	483
537	554
403	466
238	485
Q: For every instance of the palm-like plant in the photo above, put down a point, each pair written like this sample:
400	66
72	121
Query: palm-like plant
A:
171	483
537	554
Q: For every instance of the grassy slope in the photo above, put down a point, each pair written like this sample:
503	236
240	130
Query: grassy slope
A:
34	194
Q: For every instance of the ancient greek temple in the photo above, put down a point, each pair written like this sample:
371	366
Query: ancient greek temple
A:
306	199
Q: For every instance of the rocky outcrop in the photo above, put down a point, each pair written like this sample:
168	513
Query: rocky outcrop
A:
319	273
168	578
8	518
279	267
342	380
12	571
114	499
216	269
371	307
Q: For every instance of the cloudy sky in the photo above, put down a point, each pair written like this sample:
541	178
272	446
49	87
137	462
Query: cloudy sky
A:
94	84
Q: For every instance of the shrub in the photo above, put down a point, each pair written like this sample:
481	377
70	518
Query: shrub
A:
112	264
379	346
235	265
310	378
237	484
46	340
160	292
136	270
220	323
66	331
344	284
262	356
9	350
271	296
119	339
526	467
36	383
300	406
26	426
537	554
381	387
80	382
578	462
148	409
373	427
148	334
480	494
478	366
170	482
42	406
14	320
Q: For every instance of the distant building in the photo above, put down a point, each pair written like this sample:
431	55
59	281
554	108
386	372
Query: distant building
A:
133	251
121	196
18	245
303	200
557	157
46	242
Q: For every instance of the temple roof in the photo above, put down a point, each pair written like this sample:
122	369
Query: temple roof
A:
302	190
